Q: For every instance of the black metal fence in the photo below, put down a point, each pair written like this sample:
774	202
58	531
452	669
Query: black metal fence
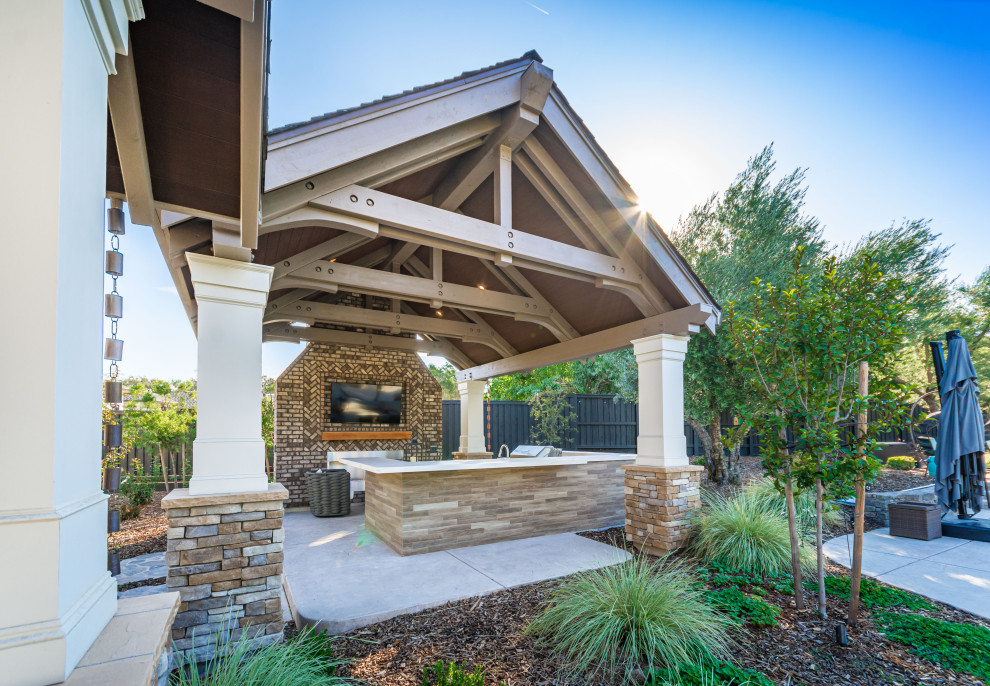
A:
603	424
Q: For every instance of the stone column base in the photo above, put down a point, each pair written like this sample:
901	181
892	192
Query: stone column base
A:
472	456
224	557
658	502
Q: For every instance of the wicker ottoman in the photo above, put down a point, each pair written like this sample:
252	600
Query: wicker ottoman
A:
329	492
915	520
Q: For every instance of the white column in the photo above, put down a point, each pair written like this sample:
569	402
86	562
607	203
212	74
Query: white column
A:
472	417
228	453
661	441
57	592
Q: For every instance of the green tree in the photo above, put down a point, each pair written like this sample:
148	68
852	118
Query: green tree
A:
160	414
911	251
268	418
747	232
446	376
801	344
553	421
606	374
971	315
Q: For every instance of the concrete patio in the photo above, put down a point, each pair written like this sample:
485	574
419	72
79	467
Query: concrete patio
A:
339	576
950	570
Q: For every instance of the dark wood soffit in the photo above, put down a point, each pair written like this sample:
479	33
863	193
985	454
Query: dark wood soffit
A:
187	61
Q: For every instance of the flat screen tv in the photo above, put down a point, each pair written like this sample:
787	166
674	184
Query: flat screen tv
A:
365	403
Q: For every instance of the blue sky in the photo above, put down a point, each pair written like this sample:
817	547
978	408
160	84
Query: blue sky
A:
886	104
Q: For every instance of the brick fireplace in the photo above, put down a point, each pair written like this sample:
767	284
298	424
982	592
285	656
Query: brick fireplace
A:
302	412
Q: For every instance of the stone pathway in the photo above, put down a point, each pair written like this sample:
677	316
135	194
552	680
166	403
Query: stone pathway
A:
152	566
950	570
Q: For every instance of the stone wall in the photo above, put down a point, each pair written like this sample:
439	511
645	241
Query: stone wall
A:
876	503
224	555
425	512
302	408
658	503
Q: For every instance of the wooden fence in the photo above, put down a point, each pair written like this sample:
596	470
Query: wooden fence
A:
149	460
603	424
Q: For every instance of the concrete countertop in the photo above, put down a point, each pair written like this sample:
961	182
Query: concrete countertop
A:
384	465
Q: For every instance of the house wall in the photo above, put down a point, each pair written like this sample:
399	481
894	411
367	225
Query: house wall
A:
302	408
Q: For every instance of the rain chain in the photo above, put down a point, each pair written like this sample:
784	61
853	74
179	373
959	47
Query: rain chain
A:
113	347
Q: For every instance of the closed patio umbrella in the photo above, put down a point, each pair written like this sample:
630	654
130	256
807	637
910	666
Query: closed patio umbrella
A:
960	468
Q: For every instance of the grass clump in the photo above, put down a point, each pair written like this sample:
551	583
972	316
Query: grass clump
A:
961	647
903	462
743	607
711	673
745	532
872	594
804	505
450	674
637	614
306	660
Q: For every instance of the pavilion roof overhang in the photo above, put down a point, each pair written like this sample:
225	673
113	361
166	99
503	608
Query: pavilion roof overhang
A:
483	216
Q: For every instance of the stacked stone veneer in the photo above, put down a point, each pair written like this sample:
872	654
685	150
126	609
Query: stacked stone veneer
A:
877	502
659	501
224	557
302	411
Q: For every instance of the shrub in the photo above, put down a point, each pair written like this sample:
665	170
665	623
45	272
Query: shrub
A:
804	505
444	674
613	620
962	647
744	533
903	462
872	594
712	673
306	660
743	607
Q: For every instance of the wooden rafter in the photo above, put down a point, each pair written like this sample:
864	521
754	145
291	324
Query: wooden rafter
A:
254	53
685	321
128	131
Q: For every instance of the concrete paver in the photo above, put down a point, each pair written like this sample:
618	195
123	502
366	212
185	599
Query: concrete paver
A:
341	578
950	570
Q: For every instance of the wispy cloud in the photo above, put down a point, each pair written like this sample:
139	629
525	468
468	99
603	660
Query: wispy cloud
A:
167	289
538	9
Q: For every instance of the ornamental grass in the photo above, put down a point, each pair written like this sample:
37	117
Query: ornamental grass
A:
305	660
635	615
746	531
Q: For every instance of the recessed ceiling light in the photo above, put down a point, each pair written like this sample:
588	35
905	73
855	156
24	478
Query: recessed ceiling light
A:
481	286
301	325
439	313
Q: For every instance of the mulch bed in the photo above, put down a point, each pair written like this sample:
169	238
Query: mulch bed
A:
488	632
142	535
157	581
899	480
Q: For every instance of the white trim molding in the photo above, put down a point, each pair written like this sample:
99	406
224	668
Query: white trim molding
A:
108	21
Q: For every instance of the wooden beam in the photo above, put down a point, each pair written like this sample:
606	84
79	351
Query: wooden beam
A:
287	300
685	321
404	252
321	217
405	158
254	44
462	234
227	242
649	301
561	119
295	334
128	131
560	328
322	274
175	270
186	236
517	123
327	250
242	9
309	150
556	203
312	312
417	268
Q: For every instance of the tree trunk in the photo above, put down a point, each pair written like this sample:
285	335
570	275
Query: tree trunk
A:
716	456
857	561
819	495
161	456
795	541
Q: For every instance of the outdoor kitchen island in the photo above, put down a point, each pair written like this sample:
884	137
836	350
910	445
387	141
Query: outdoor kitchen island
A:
420	507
